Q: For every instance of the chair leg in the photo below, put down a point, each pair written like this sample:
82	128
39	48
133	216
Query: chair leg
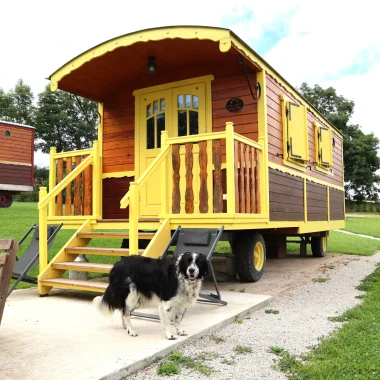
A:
214	298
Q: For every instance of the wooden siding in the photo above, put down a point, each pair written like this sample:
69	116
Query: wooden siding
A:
113	190
19	146
246	120
119	134
316	202
16	175
275	137
285	197
336	204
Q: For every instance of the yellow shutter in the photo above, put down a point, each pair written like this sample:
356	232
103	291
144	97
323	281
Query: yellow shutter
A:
297	131
325	146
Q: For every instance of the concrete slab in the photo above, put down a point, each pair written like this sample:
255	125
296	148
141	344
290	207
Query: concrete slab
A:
62	337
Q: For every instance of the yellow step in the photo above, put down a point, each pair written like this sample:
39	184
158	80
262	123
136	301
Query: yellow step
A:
67	283
113	235
83	266
100	251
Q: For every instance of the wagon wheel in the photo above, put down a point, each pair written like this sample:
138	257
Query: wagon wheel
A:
6	199
319	246
250	255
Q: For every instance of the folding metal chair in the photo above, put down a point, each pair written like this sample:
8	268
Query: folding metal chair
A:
200	240
29	259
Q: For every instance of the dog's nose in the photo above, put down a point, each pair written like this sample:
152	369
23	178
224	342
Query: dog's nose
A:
191	270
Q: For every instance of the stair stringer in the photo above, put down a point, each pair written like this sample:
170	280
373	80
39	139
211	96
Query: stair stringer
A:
159	242
62	256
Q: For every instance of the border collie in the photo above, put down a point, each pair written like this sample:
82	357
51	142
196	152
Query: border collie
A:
138	280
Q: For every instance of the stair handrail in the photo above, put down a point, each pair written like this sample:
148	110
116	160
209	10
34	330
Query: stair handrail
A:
124	202
45	198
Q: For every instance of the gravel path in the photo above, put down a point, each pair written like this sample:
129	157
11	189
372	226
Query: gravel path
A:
302	320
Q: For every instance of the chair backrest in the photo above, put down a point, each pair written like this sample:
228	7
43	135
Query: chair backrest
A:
201	240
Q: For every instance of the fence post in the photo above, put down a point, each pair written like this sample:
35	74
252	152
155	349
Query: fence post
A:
134	208
96	181
52	179
230	167
164	176
43	258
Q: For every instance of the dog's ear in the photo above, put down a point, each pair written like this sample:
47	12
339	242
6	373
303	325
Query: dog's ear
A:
203	265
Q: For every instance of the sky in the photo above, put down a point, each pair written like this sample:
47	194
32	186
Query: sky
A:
329	43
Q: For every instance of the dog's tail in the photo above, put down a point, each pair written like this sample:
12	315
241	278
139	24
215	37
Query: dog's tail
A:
102	306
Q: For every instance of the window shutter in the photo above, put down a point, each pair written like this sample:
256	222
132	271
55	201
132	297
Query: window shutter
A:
297	131
325	146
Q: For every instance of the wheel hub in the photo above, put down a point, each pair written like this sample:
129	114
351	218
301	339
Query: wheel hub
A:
258	256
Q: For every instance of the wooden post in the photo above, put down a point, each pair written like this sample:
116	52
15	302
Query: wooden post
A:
189	192
134	206
52	179
96	181
230	165
68	187
164	176
176	193
7	262
60	178
43	254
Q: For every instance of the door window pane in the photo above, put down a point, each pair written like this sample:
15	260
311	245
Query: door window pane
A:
188	101
150	133
180	101
182	123
193	115
148	110
162	104
160	128
155	106
195	102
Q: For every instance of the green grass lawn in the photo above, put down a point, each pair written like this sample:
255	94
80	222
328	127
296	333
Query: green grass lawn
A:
351	352
365	226
18	218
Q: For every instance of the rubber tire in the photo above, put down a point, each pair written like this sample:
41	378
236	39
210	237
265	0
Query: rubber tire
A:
6	199
319	246
243	246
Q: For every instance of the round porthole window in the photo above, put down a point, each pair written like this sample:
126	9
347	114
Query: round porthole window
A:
7	133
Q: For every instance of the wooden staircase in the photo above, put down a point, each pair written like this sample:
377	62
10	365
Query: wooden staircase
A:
65	260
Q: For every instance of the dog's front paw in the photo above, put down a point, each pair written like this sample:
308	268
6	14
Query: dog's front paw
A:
181	332
171	337
132	332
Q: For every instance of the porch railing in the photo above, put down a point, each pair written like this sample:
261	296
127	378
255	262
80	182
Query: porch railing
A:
211	173
74	191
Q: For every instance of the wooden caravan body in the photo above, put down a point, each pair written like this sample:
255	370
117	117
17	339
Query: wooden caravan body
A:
16	160
214	137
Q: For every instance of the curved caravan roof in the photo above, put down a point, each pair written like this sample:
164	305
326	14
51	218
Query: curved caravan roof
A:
180	52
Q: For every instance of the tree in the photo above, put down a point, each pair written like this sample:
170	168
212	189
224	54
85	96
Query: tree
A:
63	122
359	149
17	105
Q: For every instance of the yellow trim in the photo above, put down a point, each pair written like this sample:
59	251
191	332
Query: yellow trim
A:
230	168
283	169
52	178
73	153
167	86
159	242
262	111
96	181
100	158
128	173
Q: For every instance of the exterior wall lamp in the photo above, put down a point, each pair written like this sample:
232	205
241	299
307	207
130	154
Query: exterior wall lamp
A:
151	65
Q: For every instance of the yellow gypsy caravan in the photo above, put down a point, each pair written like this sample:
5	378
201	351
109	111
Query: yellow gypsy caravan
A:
197	130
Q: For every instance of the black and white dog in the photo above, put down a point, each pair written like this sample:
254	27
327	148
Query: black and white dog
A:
137	280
